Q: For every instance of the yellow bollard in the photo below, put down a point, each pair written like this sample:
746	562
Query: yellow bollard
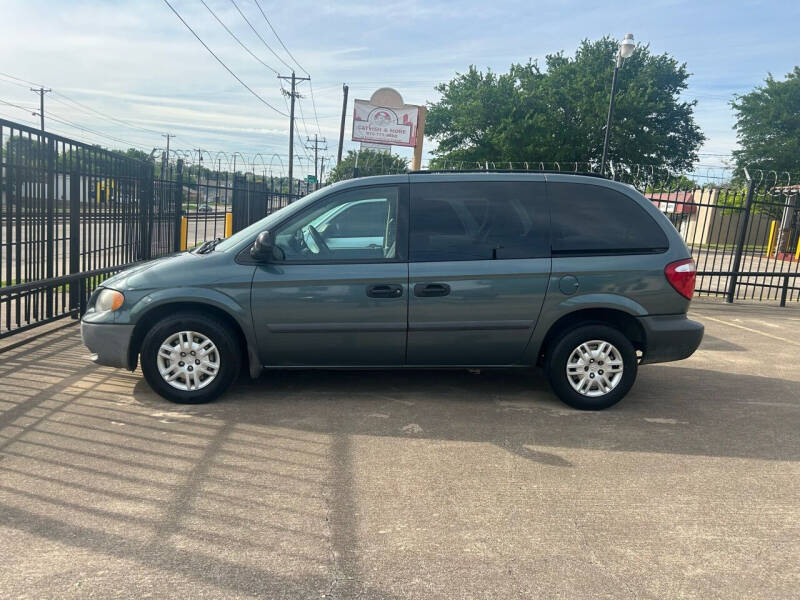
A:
184	232
228	224
772	226
797	252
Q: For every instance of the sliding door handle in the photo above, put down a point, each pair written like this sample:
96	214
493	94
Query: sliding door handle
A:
429	290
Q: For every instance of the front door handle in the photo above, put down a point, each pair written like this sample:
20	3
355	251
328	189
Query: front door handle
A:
385	290
428	290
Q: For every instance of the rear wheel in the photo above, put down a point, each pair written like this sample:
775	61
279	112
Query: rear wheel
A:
190	358
592	367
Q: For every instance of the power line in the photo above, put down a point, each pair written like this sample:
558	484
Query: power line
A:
302	68
54	117
302	144
24	120
25	81
302	116
102	115
246	20
16	105
128	143
275	33
233	35
85	108
219	60
4	80
310	85
314	105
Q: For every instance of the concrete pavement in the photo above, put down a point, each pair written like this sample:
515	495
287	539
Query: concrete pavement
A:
407	484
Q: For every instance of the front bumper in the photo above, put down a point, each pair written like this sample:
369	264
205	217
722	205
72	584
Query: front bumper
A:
670	337
108	343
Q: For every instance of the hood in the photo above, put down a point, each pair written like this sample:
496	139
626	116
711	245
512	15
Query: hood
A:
173	270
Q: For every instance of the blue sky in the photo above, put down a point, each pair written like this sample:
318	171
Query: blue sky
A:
135	61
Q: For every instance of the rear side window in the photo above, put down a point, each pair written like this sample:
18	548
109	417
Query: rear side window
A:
591	219
478	221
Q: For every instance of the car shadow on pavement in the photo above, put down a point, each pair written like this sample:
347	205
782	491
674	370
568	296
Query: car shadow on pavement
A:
671	409
254	494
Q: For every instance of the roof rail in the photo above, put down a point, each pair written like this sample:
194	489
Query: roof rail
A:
540	171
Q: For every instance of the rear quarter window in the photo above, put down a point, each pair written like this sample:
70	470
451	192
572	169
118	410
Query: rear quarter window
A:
592	219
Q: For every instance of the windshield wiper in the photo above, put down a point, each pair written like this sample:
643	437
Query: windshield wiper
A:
207	246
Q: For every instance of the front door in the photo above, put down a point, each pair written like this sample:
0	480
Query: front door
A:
337	292
478	272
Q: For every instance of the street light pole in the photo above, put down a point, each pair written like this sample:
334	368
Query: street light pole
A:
625	50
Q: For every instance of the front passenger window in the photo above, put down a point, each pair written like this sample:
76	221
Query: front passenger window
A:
354	225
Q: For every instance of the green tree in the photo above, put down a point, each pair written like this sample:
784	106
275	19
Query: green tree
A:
21	150
768	125
370	162
138	155
558	113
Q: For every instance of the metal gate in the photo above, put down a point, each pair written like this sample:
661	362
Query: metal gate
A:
71	214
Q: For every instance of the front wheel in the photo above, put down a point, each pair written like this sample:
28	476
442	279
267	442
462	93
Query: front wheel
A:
190	358
592	367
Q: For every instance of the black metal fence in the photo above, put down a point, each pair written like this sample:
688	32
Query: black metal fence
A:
72	214
744	233
211	195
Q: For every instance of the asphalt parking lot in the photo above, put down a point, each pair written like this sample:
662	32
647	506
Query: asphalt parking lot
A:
407	484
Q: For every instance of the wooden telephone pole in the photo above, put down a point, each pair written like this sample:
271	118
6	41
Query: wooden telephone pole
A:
41	91
293	95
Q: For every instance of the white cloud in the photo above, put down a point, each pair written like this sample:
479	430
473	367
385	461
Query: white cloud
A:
134	60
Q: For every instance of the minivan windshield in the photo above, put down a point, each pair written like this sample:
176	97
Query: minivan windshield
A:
251	231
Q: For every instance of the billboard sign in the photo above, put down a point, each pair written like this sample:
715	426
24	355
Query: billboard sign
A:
384	125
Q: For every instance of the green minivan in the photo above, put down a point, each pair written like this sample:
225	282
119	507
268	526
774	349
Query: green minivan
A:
577	274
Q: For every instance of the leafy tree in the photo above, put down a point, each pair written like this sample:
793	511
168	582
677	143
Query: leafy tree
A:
138	155
24	150
370	162
558	113
768	125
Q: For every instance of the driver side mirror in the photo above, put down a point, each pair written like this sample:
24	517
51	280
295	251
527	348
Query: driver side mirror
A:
263	247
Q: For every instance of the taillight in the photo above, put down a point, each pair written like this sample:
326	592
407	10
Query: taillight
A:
681	275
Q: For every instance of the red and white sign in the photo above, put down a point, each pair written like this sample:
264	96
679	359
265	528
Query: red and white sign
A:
384	125
674	202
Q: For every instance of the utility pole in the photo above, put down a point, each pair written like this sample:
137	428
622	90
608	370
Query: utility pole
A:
165	165
292	94
341	127
41	91
317	143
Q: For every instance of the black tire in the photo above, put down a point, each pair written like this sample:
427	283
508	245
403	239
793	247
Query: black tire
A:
230	356
559	354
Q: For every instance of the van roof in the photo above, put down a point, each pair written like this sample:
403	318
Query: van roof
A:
481	175
510	171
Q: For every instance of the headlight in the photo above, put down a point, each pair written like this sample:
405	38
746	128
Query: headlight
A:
109	300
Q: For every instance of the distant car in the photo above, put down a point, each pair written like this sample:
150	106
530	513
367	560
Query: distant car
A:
205	208
582	276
